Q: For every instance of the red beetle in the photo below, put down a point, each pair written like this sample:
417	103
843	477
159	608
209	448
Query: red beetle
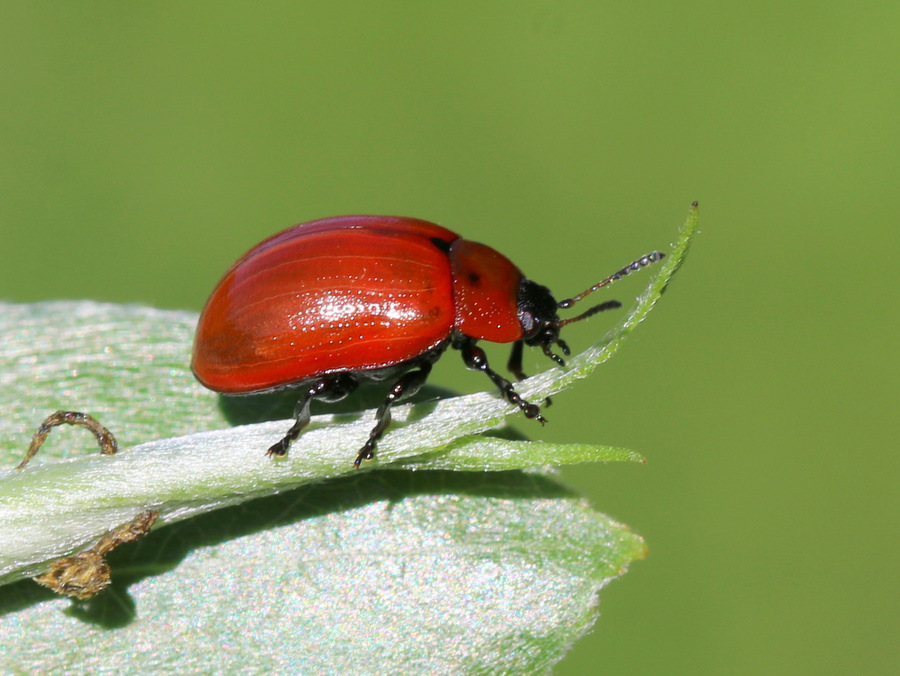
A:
326	304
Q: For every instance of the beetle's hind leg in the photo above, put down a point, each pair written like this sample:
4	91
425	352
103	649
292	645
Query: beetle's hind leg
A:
406	386
328	388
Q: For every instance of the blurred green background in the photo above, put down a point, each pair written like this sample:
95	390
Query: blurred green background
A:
145	145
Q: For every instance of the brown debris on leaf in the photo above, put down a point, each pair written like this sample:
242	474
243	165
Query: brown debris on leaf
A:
87	574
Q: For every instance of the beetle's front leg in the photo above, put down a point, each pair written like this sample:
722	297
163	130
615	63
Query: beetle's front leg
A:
514	365
475	358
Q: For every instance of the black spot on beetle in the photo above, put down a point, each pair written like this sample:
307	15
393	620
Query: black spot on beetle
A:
474	278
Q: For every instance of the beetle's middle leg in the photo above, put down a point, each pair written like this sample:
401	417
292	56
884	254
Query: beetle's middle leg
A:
406	386
328	388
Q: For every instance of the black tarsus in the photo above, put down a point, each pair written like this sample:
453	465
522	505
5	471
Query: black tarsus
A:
475	358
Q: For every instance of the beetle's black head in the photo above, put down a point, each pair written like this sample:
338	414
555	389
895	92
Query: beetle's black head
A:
538	309
539	319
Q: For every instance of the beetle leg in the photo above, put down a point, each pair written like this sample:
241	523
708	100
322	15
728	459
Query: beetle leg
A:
514	365
406	386
329	388
475	358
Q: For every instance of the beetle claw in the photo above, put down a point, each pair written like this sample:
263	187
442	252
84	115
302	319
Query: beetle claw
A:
365	453
278	450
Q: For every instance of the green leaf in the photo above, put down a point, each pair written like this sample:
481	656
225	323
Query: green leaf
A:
432	570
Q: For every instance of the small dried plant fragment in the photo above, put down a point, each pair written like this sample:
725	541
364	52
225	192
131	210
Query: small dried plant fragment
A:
84	575
105	438
87	574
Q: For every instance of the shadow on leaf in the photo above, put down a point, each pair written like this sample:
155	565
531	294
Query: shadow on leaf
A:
279	405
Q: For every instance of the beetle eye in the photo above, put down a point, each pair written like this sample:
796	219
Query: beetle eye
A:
528	322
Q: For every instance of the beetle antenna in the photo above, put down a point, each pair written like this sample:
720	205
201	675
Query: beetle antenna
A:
642	262
608	305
